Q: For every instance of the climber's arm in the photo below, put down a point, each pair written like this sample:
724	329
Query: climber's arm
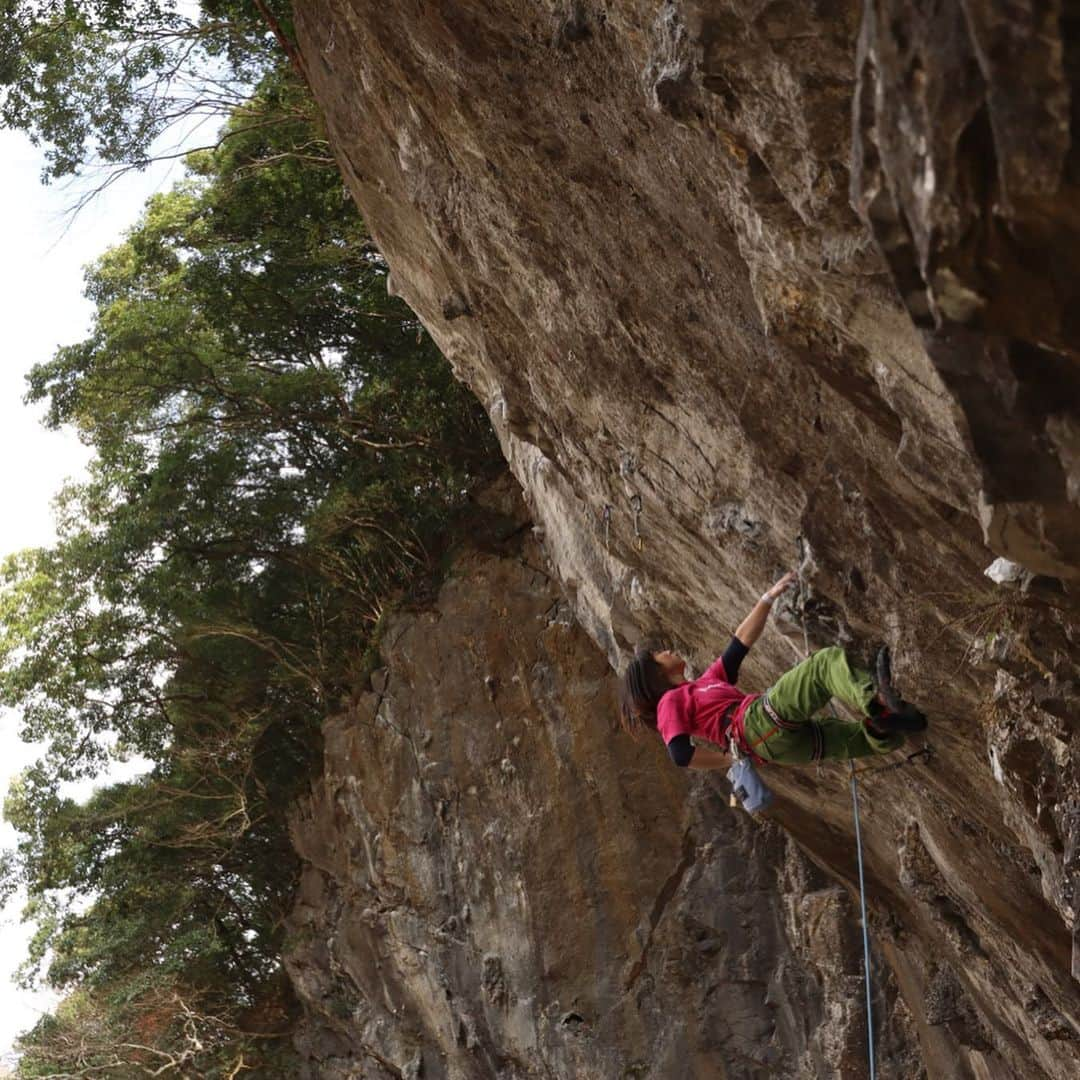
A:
749	630
704	758
688	756
732	660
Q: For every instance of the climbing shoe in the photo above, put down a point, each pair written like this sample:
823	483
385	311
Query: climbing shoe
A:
907	720
889	713
886	693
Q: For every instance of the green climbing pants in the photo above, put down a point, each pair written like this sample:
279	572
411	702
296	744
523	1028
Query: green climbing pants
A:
791	735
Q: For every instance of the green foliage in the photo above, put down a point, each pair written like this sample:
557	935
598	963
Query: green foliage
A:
278	450
97	81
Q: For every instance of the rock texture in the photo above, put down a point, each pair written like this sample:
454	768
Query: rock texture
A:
966	172
495	887
729	273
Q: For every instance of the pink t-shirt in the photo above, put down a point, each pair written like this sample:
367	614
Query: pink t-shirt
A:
698	707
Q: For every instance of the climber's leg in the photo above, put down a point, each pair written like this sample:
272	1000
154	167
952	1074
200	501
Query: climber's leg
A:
843	739
799	693
827	739
791	746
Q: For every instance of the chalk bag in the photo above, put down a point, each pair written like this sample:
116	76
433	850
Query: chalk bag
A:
748	787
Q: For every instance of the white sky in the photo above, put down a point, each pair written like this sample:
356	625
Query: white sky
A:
42	306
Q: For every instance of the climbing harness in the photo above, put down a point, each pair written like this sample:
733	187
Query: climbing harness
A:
817	752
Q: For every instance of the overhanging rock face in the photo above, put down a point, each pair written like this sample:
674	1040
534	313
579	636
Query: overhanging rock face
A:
495	887
631	228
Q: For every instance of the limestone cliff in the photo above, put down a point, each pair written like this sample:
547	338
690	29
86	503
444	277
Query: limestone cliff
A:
728	273
495	887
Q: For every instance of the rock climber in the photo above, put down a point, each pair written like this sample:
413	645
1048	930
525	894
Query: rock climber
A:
778	726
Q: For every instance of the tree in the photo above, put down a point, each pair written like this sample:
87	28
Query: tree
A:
97	81
278	450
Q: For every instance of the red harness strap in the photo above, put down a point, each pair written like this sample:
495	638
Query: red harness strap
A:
758	741
737	733
817	736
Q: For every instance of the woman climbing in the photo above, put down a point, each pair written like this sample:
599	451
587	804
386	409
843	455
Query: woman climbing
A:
777	726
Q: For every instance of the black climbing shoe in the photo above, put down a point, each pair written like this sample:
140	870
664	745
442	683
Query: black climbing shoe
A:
886	694
889	712
907	719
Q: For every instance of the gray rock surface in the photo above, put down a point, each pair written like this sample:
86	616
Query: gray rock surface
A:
494	886
729	273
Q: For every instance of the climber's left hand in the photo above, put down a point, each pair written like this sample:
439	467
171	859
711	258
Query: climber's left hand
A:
781	586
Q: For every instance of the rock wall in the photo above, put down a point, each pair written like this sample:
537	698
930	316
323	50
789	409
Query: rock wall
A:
494	886
727	274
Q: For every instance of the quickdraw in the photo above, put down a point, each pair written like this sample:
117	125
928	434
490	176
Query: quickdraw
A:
926	752
635	505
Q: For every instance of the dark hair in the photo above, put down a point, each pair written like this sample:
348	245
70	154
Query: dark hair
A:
643	685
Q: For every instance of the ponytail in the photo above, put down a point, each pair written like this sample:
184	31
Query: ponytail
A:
643	685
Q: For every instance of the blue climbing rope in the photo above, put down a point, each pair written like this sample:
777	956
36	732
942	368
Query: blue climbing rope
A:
865	923
858	834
